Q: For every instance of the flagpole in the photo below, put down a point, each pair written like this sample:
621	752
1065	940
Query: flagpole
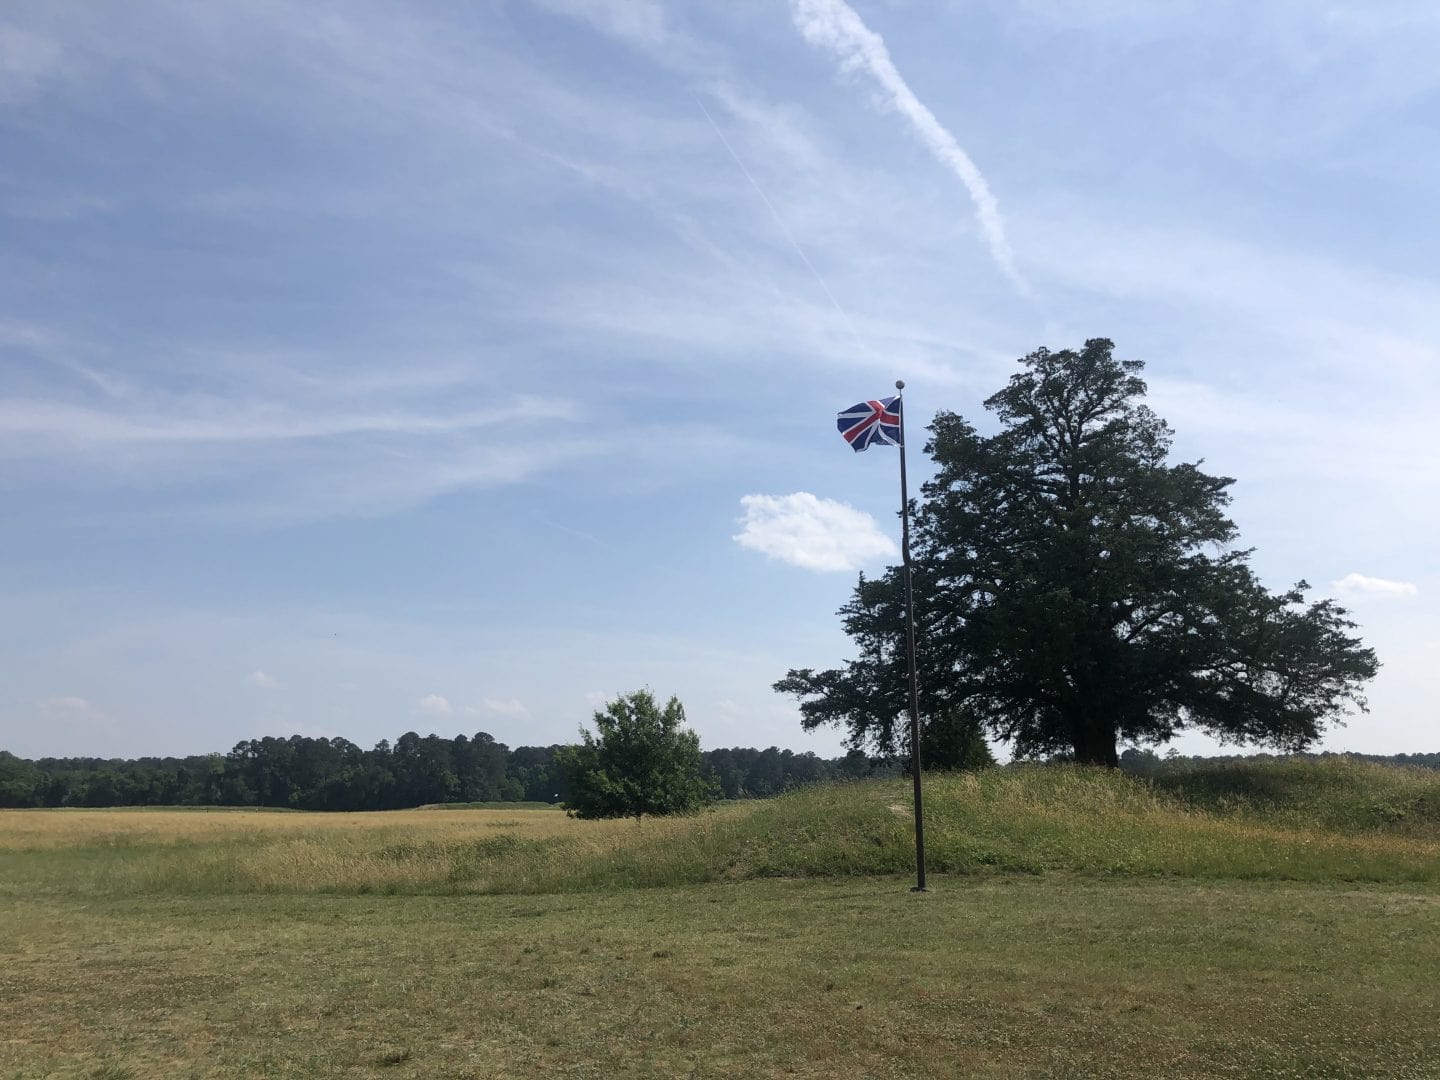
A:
910	651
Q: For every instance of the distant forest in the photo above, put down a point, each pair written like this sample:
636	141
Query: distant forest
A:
304	773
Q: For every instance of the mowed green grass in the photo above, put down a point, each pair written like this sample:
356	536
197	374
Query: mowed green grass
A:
1079	924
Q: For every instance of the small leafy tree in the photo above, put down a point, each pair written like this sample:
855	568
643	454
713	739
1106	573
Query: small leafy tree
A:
953	742
642	760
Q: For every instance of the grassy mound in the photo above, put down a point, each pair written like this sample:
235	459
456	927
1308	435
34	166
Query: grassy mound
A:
1283	820
1326	793
1332	821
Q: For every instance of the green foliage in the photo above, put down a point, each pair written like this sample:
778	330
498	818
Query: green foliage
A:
953	742
305	773
1074	589
20	781
642	760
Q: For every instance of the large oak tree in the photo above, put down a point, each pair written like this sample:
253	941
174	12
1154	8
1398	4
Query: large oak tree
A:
1075	590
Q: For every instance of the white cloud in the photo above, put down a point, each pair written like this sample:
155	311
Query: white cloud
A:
834	25
435	705
812	533
309	731
505	706
264	681
72	715
1359	585
71	706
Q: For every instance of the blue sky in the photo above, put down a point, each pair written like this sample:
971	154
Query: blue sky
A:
368	367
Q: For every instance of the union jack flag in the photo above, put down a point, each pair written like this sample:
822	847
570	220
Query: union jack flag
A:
871	422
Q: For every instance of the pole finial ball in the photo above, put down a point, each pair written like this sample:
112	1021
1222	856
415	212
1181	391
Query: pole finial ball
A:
899	384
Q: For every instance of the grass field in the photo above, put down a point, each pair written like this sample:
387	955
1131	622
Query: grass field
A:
1271	923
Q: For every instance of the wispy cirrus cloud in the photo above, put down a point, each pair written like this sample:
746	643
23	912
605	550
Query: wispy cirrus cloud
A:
640	22
812	533
265	438
225	421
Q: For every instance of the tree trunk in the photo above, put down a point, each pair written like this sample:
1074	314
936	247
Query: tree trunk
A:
1096	746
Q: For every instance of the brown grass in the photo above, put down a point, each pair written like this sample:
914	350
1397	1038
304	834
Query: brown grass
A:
49	830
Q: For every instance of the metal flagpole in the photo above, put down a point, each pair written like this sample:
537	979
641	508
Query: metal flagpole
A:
910	649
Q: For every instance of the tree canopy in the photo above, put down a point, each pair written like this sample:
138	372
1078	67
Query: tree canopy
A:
642	760
1073	589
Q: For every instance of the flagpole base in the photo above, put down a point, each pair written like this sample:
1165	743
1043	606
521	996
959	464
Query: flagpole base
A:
918	888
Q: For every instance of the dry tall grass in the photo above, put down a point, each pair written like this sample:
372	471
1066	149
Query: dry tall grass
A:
1028	820
129	851
43	830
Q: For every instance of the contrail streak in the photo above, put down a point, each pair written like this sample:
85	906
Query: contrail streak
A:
834	25
784	229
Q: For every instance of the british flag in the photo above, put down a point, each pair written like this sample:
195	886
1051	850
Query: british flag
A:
871	422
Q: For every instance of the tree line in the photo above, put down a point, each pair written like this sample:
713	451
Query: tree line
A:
305	773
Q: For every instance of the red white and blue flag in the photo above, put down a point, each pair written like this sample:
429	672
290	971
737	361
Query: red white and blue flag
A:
871	422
